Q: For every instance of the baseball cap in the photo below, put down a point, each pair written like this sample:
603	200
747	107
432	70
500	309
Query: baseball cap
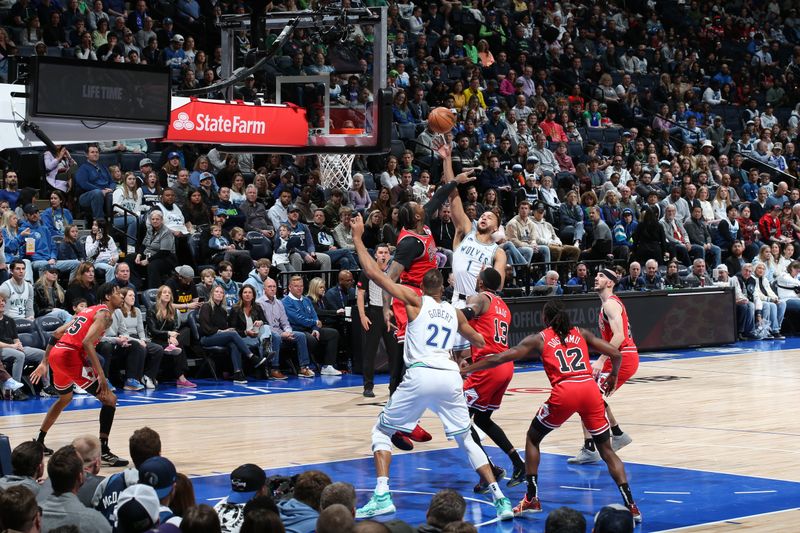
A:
722	268
136	510
664	163
516	167
776	207
167	20
30	209
496	109
159	473
206	176
293	208
707	144
246	481
173	155
751	122
145	161
459	37
626	134
627	211
532	159
787	204
614	517
177	38
185	271
777	146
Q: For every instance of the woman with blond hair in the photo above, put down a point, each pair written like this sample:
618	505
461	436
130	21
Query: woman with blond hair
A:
49	296
131	320
163	323
129	196
720	203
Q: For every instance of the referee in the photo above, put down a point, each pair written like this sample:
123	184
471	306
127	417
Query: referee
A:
371	313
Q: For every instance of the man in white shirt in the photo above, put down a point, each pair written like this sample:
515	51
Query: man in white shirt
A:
545	235
279	213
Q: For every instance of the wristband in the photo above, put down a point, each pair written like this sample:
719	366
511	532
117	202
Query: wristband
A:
469	313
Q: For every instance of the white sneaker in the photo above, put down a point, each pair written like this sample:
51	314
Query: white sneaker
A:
12	384
584	457
78	390
131	249
619	442
328	370
149	383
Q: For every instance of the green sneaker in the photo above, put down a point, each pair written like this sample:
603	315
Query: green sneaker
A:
378	505
503	509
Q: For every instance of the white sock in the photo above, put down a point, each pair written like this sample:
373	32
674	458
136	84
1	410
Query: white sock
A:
382	487
496	492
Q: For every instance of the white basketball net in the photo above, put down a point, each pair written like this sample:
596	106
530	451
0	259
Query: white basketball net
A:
335	170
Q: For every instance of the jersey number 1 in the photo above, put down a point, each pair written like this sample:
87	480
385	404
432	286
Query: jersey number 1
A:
572	361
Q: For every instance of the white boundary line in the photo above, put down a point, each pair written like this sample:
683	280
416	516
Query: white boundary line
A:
729	520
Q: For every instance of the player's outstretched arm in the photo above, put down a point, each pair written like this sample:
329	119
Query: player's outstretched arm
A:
468	332
531	346
374	272
599	345
40	371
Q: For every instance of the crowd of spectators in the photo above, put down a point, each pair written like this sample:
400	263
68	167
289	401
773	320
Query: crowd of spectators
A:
72	494
640	133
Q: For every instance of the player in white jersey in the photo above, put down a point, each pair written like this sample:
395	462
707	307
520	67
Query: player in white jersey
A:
473	248
432	380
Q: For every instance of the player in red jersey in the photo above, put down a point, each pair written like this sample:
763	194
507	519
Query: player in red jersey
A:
71	352
564	351
489	315
616	330
414	256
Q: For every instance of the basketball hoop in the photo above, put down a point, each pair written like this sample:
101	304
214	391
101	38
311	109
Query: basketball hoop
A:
335	170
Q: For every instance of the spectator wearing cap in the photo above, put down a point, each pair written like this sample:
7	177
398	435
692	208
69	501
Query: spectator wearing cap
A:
174	57
160	474
299	514
137	510
184	291
614	518
93	183
63	508
776	159
45	253
305	250
247	482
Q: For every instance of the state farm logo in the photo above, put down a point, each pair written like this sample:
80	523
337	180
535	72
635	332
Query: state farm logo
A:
183	122
219	124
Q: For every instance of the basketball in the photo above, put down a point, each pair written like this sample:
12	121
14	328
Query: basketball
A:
441	120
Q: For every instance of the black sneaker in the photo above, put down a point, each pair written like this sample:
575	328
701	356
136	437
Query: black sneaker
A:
483	488
19	396
368	393
516	478
777	336
47	451
238	377
109	459
257	360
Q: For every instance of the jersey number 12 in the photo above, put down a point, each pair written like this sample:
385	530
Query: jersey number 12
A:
571	362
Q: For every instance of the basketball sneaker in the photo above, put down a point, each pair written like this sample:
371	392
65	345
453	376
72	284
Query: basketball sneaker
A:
419	434
585	456
619	442
502	507
109	459
528	506
376	506
637	515
517	477
483	488
402	442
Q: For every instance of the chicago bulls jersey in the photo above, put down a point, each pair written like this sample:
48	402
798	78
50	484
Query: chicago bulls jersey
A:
493	327
605	326
423	263
565	361
79	327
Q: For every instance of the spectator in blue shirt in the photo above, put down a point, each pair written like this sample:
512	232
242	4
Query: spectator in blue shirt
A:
94	183
44	253
581	278
550	279
342	295
57	217
303	319
10	193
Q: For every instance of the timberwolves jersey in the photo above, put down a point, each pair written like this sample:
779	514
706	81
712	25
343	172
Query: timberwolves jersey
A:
429	337
469	259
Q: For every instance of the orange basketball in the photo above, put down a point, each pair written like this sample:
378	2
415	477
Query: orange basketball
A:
441	120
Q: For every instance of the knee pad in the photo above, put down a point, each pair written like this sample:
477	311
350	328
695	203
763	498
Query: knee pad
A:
380	440
475	455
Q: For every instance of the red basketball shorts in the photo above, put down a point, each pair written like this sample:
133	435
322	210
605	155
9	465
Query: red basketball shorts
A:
484	389
629	366
70	368
570	397
400	315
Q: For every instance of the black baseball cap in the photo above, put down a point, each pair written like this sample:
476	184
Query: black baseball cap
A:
30	209
246	481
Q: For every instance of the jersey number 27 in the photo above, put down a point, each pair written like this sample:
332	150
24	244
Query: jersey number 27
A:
435	340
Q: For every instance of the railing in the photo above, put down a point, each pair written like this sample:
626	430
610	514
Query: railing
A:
124	233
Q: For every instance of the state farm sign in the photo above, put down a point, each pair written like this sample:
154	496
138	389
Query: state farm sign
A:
222	123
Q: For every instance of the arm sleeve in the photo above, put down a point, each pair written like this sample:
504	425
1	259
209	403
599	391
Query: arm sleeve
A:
438	198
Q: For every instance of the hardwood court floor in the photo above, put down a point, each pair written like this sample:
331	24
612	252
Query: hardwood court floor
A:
733	414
